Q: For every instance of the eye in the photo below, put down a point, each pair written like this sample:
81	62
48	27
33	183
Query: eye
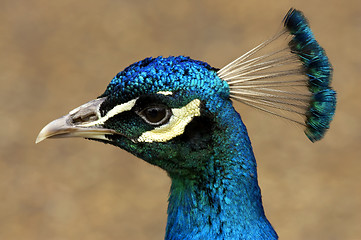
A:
156	115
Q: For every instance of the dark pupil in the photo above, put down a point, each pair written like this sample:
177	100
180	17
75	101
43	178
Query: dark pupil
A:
155	114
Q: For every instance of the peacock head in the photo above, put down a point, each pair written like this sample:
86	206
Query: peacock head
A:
162	110
172	111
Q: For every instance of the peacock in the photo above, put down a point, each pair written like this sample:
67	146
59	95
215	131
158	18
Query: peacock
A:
176	113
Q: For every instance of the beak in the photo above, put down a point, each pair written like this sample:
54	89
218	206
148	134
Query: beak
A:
84	121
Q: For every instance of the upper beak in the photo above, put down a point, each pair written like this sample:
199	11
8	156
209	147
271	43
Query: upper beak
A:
80	122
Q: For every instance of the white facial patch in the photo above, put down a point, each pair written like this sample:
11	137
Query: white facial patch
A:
166	93
114	111
176	125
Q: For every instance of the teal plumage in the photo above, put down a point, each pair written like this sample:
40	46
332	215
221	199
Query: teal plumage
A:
177	113
318	69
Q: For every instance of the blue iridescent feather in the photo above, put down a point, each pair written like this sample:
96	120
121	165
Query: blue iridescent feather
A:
319	70
218	197
207	152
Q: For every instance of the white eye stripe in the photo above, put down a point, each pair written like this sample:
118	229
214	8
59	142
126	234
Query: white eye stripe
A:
176	125
114	111
166	93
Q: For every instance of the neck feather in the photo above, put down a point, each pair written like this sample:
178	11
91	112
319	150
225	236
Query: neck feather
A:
224	201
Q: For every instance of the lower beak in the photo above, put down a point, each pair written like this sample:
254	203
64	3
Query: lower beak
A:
80	122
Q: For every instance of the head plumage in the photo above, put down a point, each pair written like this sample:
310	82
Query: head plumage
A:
288	76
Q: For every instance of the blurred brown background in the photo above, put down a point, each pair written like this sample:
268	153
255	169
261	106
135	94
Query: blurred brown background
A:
56	55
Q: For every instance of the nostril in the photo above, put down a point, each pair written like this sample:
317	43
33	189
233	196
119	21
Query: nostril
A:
76	121
90	117
81	119
86	113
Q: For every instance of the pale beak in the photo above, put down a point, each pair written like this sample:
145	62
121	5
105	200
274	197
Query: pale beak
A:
80	122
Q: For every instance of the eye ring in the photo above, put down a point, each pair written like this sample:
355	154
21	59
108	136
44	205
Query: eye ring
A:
155	115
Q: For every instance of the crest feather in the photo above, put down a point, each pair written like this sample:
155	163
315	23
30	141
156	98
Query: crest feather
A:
288	76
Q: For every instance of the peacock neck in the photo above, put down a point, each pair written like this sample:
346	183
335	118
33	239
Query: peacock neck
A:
223	201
